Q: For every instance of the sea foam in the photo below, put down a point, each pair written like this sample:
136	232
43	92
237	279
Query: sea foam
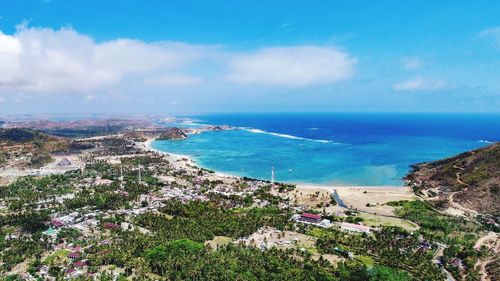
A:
258	131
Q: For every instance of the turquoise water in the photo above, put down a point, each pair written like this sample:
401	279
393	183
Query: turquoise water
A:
343	149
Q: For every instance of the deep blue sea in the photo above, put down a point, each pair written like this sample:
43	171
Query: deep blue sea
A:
328	148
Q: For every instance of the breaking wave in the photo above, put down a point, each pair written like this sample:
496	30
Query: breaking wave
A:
258	131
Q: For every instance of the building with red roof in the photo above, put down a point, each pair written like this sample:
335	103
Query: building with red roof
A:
74	255
110	225
312	218
70	271
57	223
80	264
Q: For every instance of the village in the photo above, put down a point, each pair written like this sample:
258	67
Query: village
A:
114	187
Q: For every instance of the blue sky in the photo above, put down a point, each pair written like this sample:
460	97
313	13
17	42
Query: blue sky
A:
231	56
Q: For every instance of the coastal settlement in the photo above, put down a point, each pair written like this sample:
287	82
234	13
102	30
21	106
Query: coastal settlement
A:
109	207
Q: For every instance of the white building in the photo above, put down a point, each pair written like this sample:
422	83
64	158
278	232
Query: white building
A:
351	227
325	223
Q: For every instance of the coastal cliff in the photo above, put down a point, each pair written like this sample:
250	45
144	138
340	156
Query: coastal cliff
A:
469	181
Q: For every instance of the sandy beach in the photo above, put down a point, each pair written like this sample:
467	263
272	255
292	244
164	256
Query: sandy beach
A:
369	199
184	161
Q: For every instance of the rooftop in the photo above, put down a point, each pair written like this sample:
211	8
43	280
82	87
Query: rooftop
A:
356	226
310	216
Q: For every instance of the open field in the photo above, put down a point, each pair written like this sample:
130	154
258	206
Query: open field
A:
357	197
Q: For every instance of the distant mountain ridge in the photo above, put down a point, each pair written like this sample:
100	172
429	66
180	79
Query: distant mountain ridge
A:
16	135
468	181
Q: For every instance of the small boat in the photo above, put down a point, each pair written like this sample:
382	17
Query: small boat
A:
290	170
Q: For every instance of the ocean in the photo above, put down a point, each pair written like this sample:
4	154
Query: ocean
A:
332	148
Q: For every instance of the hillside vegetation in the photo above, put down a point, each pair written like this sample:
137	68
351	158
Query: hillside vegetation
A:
28	148
470	181
18	135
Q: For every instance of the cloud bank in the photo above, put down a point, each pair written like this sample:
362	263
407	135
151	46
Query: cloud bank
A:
292	66
42	60
64	61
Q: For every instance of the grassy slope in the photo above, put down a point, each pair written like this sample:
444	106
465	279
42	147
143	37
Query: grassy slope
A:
473	175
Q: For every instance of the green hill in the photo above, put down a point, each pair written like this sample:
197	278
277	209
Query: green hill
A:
470	179
18	135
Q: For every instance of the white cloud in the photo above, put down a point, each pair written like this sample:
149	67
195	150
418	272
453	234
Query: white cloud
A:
2	99
491	33
90	97
286	25
423	84
412	63
65	62
291	66
173	80
46	60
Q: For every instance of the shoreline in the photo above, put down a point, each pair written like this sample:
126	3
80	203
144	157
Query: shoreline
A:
371	201
177	158
397	189
148	146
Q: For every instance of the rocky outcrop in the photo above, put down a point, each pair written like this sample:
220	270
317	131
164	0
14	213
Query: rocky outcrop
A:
172	134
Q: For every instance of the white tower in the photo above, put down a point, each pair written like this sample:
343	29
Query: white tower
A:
140	167
121	176
273	176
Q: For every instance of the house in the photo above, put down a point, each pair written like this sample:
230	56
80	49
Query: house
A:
91	223
64	162
68	219
343	253
424	247
43	270
57	223
11	236
325	223
351	227
491	221
456	262
312	218
80	264
51	232
106	242
156	204
121	192
72	273
109	225
74	255
74	248
100	181
127	226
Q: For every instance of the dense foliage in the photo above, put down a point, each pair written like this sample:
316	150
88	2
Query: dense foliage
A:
433	224
391	247
17	135
457	233
201	221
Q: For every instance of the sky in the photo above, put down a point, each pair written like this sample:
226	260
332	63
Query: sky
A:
91	56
